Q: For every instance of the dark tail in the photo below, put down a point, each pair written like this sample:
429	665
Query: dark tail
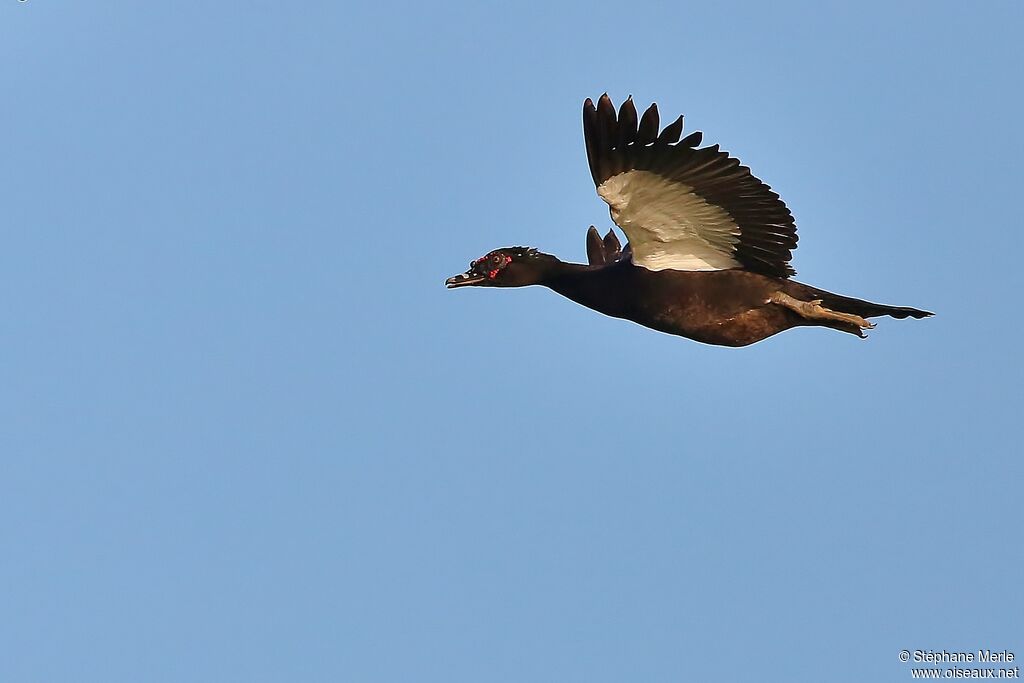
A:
865	309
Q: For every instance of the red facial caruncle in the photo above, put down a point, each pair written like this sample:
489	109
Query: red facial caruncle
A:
496	261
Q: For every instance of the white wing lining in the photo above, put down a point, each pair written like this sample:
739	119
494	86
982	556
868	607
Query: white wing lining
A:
669	226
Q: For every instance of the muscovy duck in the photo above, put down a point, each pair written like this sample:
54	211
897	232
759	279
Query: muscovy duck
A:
708	246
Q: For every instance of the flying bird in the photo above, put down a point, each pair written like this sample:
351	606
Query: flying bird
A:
708	249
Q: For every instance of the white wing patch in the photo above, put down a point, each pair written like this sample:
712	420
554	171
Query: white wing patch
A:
668	224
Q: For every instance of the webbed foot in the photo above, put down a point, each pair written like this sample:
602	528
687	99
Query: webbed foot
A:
813	310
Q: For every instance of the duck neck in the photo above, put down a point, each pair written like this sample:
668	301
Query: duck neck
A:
582	284
559	275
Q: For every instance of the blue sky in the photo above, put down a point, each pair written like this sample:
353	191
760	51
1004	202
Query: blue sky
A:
247	435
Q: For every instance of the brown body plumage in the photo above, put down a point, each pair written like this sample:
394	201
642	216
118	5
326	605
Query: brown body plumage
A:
709	243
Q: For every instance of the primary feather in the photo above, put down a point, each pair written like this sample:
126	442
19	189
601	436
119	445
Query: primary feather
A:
683	208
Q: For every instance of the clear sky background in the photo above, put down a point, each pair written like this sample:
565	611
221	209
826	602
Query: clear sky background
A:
247	435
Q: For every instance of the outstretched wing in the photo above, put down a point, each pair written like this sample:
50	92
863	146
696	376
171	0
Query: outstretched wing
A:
683	208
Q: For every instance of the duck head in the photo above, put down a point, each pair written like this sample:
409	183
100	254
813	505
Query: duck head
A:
505	267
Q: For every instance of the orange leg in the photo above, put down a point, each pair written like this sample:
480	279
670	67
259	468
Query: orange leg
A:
813	310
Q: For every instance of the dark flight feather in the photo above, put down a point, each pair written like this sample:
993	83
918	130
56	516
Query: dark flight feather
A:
767	229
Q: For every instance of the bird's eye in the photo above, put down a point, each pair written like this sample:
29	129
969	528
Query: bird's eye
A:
497	259
472	264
